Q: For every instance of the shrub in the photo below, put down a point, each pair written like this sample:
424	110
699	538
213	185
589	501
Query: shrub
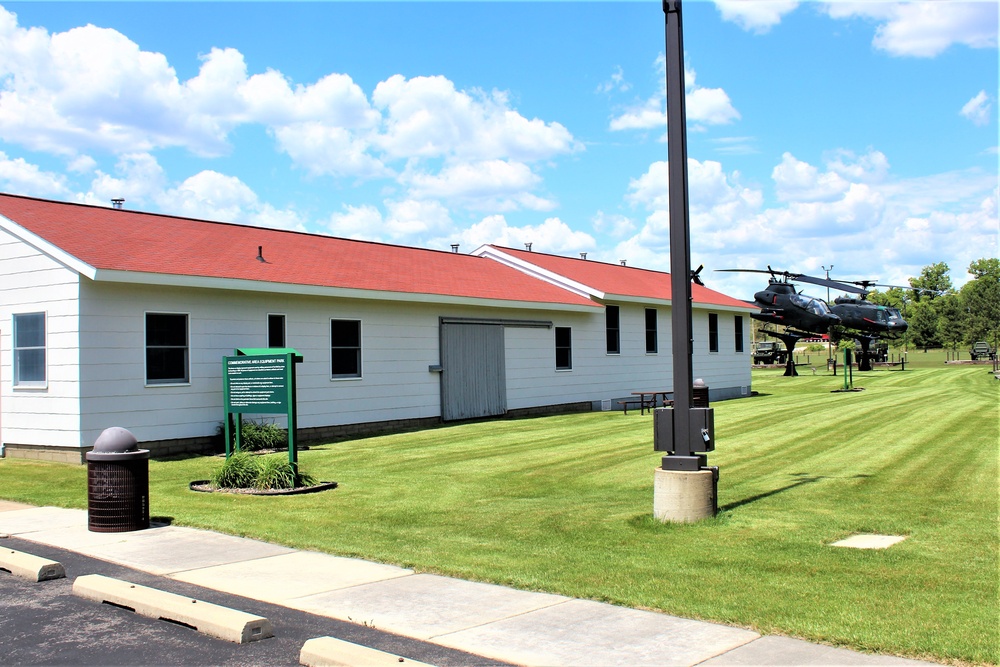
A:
238	472
274	472
244	470
258	435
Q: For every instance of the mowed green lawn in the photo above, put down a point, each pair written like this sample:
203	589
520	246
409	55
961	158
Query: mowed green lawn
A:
564	504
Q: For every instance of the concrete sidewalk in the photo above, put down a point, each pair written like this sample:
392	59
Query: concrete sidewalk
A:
492	621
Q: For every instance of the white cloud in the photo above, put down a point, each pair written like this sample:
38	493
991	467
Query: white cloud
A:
552	236
799	181
616	82
978	109
489	184
709	106
924	29
357	222
327	149
849	212
614	225
757	16
139	179
427	117
209	195
92	88
19	176
407	221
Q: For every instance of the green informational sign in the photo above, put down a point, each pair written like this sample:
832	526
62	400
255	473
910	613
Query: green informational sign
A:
258	384
260	381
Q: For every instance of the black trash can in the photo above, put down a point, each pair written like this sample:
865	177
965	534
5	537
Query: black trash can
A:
117	483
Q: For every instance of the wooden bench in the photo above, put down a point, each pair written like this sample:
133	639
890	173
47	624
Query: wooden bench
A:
633	403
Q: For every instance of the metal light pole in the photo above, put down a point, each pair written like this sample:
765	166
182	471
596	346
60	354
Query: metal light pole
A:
685	488
680	242
829	345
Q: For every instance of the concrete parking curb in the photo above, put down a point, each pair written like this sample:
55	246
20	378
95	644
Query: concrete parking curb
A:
27	566
332	652
211	619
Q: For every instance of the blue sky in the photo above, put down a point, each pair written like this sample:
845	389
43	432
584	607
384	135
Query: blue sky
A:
861	135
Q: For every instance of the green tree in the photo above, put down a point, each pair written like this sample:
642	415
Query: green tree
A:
923	321
932	282
927	289
950	320
980	301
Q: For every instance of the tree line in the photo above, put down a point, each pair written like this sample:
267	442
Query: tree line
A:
941	316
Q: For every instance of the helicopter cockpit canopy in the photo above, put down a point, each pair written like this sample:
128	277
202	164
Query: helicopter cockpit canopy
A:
814	306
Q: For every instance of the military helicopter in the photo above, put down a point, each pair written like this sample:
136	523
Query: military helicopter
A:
803	315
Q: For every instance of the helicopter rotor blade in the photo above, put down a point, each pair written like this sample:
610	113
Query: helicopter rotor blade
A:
832	284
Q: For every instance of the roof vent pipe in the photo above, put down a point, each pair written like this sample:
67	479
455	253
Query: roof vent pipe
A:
260	254
117	203
527	246
583	255
622	261
454	247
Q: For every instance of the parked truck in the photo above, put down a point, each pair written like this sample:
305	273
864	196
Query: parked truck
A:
769	352
982	350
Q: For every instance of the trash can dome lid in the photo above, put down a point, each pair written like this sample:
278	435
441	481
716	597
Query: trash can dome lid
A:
116	440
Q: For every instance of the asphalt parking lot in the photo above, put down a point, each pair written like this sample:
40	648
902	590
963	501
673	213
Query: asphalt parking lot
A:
45	624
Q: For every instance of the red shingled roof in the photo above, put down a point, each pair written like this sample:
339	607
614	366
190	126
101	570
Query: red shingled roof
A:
124	240
615	279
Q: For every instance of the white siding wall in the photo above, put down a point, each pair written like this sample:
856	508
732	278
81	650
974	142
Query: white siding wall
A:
725	369
532	378
399	343
32	282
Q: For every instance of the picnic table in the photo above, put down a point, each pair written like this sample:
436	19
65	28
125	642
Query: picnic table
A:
646	400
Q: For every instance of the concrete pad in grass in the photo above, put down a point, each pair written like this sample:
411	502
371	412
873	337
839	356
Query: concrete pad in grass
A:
426	605
582	633
869	541
284	577
768	651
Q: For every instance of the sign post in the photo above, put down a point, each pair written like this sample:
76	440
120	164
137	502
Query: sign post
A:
260	381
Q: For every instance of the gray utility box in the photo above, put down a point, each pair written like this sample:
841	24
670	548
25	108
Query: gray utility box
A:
117	483
702	430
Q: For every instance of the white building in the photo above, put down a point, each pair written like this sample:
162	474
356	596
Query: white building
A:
120	318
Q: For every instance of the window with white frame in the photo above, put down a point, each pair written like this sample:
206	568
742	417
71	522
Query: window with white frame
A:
739	332
345	348
29	349
167	357
564	348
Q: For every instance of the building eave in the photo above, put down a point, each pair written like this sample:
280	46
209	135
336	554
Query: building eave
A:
177	280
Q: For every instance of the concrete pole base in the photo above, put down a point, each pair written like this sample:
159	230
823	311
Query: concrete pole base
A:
683	497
